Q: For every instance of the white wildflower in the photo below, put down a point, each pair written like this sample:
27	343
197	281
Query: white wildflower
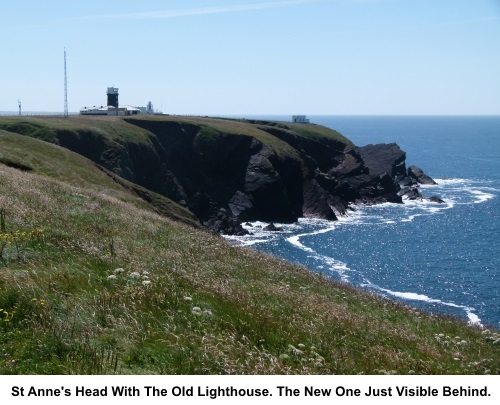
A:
186	298
146	283
135	275
295	351
319	357
119	270
112	277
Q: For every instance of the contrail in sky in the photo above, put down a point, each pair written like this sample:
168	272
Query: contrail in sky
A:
202	10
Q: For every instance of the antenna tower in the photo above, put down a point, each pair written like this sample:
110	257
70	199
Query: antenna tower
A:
19	103
65	87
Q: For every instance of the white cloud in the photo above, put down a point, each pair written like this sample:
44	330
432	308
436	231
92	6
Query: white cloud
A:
163	14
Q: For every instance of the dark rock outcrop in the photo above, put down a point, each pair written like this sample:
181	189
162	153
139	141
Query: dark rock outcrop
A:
226	179
416	173
388	160
436	199
384	159
272	228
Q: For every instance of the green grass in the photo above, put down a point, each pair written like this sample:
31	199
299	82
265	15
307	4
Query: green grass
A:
186	302
217	127
108	127
39	157
111	133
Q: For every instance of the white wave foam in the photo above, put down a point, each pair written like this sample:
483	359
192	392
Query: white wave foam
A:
253	242
333	265
336	266
478	188
446	182
294	240
473	318
455	192
411	296
481	196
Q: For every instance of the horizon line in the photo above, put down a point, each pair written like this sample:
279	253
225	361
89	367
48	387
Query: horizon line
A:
8	113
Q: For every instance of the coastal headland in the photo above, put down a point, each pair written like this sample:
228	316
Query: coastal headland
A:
107	267
227	171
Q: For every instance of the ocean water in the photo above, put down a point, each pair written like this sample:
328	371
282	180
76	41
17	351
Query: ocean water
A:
444	258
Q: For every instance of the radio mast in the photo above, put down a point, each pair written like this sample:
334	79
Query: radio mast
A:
19	103
65	87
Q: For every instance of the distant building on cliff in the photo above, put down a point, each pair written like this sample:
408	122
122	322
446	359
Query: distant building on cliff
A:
301	119
113	107
147	110
112	94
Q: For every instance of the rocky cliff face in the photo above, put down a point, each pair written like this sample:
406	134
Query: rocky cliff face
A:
226	179
229	172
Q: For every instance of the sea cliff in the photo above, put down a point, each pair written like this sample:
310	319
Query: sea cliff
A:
226	172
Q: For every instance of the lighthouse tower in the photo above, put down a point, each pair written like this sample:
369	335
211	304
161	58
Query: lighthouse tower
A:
112	97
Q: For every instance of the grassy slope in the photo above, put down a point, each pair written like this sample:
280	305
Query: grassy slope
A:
205	306
108	127
39	157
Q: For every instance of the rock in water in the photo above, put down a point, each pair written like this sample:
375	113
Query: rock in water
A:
273	228
436	199
417	174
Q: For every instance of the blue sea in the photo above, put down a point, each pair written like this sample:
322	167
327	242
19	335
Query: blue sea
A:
443	258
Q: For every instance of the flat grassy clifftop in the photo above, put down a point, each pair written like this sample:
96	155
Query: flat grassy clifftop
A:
117	129
94	280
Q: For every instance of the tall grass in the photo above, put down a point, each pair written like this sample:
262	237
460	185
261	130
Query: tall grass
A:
113	287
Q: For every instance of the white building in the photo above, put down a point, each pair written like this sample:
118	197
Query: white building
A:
301	119
113	108
147	110
110	110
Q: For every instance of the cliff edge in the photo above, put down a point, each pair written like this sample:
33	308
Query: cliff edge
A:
227	172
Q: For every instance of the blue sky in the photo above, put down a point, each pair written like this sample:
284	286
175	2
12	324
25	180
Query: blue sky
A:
243	57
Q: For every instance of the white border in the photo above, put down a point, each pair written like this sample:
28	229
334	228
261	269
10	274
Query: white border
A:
297	384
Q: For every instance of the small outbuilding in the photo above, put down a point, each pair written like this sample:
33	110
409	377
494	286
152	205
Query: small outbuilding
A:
300	119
